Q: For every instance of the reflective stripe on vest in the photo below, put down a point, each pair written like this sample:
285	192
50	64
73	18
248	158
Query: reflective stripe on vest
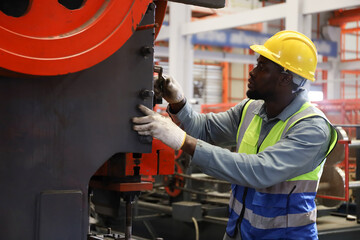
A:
283	221
301	189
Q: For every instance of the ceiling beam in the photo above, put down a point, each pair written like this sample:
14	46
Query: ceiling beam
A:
234	20
350	65
264	14
311	6
211	56
229	57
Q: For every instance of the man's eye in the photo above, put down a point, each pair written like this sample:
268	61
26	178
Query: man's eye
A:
259	66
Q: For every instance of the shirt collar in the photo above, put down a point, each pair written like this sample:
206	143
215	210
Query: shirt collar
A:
292	108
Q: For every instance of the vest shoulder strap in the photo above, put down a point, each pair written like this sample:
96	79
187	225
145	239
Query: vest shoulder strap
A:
245	120
306	111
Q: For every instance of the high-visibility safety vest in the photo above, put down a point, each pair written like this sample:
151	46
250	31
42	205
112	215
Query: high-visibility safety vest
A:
286	210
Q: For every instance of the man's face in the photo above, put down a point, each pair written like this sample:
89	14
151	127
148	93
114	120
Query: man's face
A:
263	79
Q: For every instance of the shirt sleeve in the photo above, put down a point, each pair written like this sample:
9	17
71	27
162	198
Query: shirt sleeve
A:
215	128
301	150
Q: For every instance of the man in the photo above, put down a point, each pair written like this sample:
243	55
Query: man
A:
281	140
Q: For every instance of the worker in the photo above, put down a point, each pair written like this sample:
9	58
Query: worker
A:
281	139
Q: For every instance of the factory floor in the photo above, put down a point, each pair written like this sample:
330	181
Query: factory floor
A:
151	225
335	227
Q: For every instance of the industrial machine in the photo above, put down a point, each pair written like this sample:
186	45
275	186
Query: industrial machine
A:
71	75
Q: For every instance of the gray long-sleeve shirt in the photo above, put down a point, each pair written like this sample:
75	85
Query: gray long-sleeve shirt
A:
304	147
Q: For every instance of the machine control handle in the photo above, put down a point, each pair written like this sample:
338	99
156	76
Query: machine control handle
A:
161	79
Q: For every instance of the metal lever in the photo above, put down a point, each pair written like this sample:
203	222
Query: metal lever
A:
160	80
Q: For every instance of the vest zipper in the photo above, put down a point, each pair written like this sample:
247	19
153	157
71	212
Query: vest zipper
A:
241	217
239	221
287	208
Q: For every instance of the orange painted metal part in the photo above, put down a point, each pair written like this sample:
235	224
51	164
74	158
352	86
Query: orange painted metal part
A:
159	17
340	111
225	82
122	187
160	14
160	161
53	40
176	181
343	16
215	108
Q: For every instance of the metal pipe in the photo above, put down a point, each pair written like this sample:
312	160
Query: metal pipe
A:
357	172
164	209
355	143
128	229
354	184
347	171
225	195
202	179
213	219
147	217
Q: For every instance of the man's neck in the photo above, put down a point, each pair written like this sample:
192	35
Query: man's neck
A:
276	106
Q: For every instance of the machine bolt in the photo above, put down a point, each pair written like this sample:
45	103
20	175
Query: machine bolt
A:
145	94
147	50
151	7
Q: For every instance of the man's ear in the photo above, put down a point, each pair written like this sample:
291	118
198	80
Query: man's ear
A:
286	79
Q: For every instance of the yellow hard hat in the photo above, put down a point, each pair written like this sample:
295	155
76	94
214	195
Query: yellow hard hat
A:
291	50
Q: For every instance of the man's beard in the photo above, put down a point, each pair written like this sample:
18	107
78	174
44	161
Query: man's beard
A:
256	95
253	94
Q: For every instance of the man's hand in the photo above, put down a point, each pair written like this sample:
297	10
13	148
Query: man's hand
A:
159	127
169	89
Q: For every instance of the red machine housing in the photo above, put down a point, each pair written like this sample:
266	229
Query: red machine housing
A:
160	161
53	40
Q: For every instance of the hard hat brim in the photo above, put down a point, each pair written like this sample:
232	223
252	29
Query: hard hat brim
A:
262	50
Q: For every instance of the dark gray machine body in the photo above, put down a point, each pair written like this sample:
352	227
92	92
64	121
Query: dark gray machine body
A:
55	132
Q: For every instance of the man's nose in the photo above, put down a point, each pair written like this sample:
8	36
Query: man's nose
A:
251	73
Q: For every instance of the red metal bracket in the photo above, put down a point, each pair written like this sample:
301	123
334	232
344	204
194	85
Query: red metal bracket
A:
122	187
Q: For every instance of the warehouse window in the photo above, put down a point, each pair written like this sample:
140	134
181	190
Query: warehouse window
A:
316	96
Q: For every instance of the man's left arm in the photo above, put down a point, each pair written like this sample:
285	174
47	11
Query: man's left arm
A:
304	147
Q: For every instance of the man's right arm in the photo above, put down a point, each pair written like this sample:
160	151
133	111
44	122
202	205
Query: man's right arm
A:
219	129
215	128
189	145
174	108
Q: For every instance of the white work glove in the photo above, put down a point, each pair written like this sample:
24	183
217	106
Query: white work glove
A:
159	127
169	89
